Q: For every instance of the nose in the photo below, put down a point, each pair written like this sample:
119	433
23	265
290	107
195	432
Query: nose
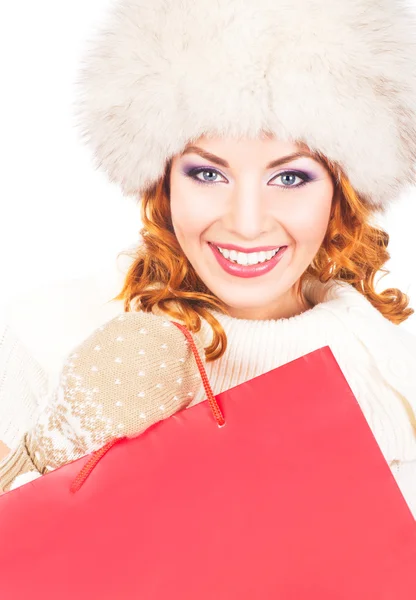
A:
247	216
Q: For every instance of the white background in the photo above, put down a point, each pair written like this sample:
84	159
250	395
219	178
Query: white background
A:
60	218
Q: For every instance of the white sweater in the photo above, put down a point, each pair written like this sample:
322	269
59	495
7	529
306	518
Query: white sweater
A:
23	386
377	358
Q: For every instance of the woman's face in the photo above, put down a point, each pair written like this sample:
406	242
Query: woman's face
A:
226	193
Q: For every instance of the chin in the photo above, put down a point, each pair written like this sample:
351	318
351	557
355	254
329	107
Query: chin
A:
243	301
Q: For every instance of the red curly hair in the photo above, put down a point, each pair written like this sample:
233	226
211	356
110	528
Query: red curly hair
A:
160	275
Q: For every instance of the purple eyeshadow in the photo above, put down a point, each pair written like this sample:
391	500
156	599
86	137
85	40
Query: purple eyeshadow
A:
190	169
312	176
187	169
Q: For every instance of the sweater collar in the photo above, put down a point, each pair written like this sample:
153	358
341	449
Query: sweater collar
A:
333	291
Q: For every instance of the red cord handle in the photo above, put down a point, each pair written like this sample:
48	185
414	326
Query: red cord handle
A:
211	398
98	454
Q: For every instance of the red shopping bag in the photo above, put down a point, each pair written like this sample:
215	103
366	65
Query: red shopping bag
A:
291	498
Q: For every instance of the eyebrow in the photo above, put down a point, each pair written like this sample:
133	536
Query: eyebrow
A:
224	163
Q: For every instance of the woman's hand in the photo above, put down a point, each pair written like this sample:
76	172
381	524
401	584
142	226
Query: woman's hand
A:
128	374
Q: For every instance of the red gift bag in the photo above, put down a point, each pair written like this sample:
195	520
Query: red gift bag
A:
291	498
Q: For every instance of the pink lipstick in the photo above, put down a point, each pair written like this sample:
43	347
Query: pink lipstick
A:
247	270
241	249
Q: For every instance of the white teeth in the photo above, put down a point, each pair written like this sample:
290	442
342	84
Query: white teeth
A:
242	258
247	258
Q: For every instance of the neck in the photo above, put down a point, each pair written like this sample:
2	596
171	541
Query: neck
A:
291	304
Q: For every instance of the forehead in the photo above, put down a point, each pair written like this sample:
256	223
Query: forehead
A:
264	138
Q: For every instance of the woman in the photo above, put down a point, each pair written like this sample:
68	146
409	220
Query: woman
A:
262	137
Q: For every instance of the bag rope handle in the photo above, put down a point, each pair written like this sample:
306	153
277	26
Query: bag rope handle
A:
98	454
219	417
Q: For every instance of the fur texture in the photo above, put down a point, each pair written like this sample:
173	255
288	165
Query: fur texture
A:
339	75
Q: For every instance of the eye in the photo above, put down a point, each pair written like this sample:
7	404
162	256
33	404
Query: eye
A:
290	176
212	172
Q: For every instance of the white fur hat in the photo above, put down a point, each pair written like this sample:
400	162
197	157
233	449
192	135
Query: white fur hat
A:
339	75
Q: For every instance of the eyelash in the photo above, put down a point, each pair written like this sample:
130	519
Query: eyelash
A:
305	178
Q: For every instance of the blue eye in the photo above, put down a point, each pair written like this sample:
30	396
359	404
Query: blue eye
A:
194	172
291	174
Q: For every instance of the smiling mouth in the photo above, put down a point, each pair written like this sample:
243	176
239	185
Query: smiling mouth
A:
247	258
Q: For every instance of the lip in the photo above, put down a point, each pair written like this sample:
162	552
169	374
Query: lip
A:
240	249
247	270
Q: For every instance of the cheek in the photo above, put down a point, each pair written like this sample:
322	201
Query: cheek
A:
188	222
191	214
181	210
308	222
